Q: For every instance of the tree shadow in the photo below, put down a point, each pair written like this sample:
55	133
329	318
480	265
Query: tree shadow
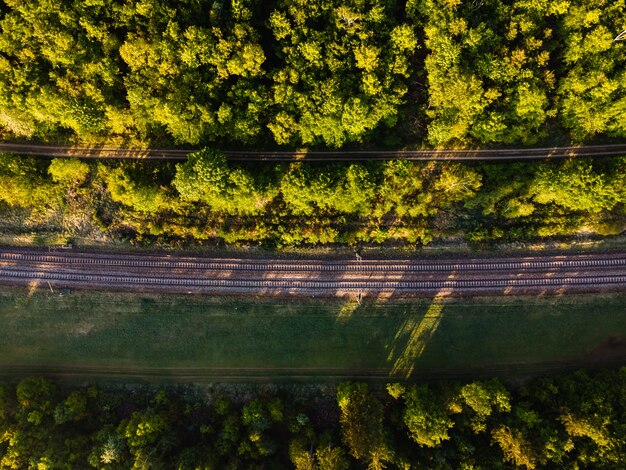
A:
414	335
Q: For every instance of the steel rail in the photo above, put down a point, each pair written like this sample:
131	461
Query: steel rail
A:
314	265
314	155
163	281
380	275
600	272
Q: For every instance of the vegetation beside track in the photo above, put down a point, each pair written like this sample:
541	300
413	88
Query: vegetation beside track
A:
252	74
209	201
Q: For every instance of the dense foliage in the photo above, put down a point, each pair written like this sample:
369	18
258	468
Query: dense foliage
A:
207	199
300	72
573	421
489	69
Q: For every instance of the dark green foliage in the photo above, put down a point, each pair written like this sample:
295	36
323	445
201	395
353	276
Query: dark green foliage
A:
426	419
197	75
24	183
69	172
59	66
132	186
571	421
207	178
334	189
199	71
362	424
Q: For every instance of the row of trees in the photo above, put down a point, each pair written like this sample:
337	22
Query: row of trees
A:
289	204
296	72
573	421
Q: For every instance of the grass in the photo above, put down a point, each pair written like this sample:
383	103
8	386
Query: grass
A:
211	338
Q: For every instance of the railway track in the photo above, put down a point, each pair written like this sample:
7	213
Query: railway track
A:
154	262
375	285
314	277
345	155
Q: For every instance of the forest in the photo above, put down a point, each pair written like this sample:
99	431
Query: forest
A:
208	200
568	421
207	74
328	73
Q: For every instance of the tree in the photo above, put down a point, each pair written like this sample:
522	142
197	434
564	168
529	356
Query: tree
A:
203	80
341	73
35	396
23	183
593	87
488	66
68	172
332	188
331	458
207	177
427	421
483	399
574	185
362	423
515	447
135	187
67	74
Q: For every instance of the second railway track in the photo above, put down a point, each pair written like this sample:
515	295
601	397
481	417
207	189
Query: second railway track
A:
101	152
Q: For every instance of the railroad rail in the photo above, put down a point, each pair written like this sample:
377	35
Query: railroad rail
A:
313	277
556	262
107	279
51	151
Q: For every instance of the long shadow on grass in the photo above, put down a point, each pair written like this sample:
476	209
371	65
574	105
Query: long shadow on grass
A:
414	335
415	327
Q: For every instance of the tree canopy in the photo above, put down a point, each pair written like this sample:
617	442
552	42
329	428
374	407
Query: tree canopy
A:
326	73
567	421
209	199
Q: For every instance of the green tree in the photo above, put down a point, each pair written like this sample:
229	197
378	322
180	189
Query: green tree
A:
488	66
203	80
574	185
479	400
59	66
362	423
426	419
68	172
137	187
341	73
207	177
515	447
593	87
24	183
333	188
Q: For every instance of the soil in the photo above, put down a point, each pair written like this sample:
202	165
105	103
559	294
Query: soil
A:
610	351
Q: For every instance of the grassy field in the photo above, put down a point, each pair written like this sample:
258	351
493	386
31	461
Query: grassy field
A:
210	338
